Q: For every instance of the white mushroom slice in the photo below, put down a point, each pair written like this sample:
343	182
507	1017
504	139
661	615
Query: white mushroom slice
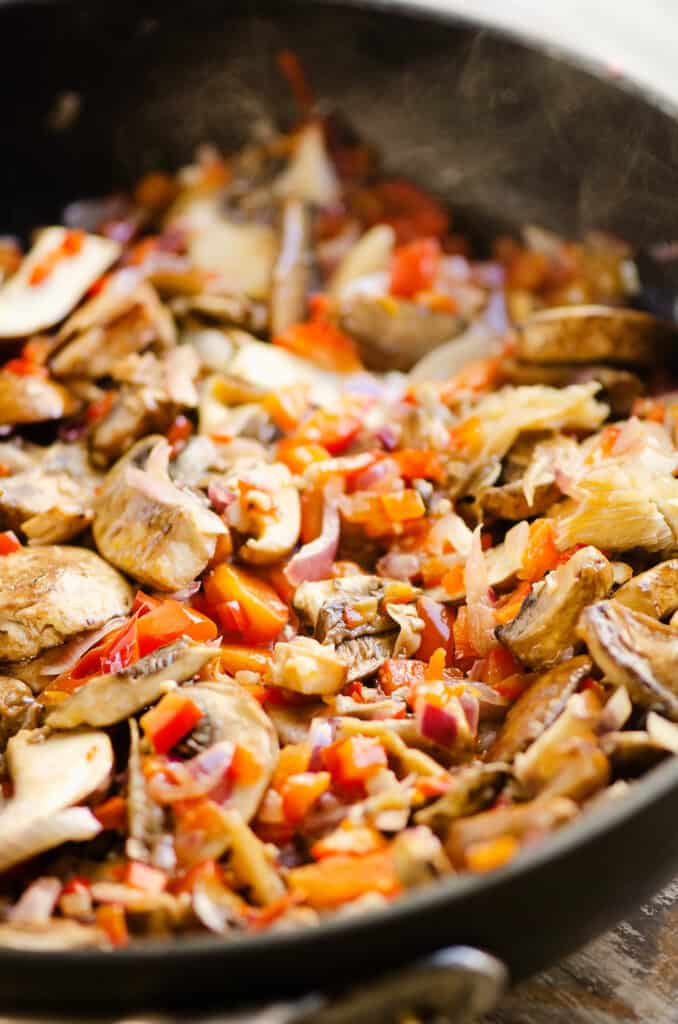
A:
242	254
371	254
271	367
49	594
268	510
111	698
291	271
305	666
147	526
54	935
231	713
49	776
309	175
250	863
26	308
478	342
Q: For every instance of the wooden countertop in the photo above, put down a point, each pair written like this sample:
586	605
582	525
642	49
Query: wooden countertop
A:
628	976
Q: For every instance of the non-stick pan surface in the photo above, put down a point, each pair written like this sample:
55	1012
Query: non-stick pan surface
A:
93	94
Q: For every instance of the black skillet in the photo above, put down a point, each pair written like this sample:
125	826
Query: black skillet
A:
92	94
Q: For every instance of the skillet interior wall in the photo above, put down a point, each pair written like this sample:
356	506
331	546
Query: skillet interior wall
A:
506	134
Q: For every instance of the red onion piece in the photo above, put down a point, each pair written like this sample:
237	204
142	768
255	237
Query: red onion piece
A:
481	617
220	496
471	708
399	565
320	736
197	777
377	477
440	725
314	561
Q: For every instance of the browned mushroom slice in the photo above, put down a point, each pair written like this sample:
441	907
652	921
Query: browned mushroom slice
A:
654	592
150	528
366	654
586	334
620	387
509	501
291	270
49	594
635	651
49	507
566	760
537	707
418	857
116	322
473	788
631	751
18	708
544	629
394	334
32	399
544	814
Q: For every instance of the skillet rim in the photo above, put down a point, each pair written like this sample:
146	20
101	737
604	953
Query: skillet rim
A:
574	838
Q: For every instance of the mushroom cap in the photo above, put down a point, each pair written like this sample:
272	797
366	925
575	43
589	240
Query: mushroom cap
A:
49	594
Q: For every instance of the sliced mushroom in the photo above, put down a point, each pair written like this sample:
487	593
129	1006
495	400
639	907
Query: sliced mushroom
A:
124	318
543	630
32	399
537	707
394	334
291	270
620	388
50	775
145	818
231	713
147	526
589	334
536	816
370	254
267	510
309	175
305	666
653	592
48	507
242	254
270	367
18	708
327	605
508	501
49	594
111	698
27	306
635	651
632	750
53	936
364	655
566	760
153	391
250	863
418	857
473	788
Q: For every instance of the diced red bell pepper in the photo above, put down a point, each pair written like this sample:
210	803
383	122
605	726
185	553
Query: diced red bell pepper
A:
169	621
245	604
170	720
354	760
396	673
414	267
9	542
144	877
300	792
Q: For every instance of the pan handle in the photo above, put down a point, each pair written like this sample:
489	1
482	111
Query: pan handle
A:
453	986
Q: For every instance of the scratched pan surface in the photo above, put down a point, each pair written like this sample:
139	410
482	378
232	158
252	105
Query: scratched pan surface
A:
95	93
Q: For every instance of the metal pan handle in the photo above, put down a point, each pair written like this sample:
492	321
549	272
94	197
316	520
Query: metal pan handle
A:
454	985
